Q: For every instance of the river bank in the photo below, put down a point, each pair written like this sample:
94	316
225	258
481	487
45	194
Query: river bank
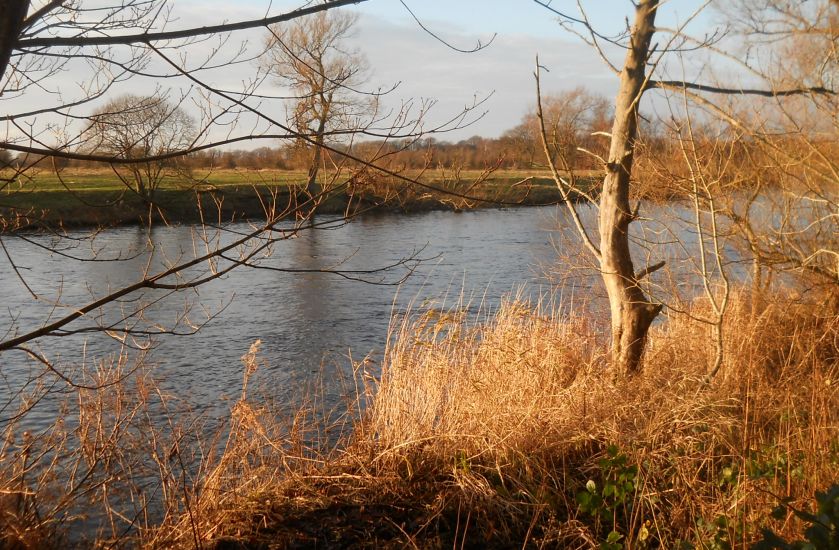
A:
96	201
479	427
510	433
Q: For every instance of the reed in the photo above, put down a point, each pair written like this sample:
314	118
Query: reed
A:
491	431
512	432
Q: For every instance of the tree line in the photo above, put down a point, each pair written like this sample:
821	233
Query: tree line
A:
133	126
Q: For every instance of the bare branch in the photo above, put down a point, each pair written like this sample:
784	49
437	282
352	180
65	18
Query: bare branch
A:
150	37
683	84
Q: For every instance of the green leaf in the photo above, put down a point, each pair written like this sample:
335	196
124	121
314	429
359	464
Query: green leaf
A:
613	537
584	500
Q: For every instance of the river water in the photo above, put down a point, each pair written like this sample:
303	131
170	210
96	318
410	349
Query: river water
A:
305	320
304	302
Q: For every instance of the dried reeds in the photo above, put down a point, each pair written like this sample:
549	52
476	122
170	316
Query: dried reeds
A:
485	434
509	431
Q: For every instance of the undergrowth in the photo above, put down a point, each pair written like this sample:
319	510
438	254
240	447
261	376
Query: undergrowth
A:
512	432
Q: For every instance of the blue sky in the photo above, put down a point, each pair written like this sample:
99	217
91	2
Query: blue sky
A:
400	51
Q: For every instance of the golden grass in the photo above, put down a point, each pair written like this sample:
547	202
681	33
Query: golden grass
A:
484	434
487	432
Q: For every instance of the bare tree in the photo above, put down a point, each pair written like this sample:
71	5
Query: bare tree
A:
643	69
310	55
571	117
103	46
789	221
134	127
112	43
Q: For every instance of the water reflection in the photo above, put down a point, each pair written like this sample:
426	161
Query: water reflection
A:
305	318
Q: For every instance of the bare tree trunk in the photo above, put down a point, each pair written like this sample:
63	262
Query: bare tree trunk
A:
12	15
312	183
632	312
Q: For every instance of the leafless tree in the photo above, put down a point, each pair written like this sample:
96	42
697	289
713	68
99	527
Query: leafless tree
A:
311	56
645	67
136	127
789	222
571	117
106	45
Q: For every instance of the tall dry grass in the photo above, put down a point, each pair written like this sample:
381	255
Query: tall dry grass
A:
486	434
116	463
503	430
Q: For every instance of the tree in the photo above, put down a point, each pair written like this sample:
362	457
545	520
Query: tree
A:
571	117
105	45
790	222
310	56
632	310
133	127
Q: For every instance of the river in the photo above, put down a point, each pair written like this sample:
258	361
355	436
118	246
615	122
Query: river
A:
309	318
306	320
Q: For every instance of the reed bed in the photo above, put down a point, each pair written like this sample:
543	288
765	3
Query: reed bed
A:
511	431
502	430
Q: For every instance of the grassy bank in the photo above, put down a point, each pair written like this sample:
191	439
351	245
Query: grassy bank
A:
98	198
506	431
511	433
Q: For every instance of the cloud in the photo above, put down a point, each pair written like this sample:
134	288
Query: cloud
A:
398	50
424	67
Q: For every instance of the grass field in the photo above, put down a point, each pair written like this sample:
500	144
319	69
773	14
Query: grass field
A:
80	179
84	197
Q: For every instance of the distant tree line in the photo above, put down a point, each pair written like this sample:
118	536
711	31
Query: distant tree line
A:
574	117
577	126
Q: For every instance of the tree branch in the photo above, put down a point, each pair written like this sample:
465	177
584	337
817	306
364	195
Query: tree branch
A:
146	38
681	85
649	270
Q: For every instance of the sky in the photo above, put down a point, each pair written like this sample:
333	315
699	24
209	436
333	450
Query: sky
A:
401	52
516	31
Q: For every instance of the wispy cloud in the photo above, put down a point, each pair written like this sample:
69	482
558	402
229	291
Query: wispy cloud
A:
424	67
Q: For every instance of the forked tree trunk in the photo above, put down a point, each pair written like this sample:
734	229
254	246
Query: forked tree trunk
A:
312	181
632	311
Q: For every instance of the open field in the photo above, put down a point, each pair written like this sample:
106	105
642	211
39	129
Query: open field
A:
81	179
96	197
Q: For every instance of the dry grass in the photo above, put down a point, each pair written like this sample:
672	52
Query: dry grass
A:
475	433
483	435
114	466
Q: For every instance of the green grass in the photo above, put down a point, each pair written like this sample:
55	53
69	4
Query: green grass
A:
80	197
105	180
101	180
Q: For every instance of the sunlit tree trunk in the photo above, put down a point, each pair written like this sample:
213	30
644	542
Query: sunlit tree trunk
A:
312	182
631	310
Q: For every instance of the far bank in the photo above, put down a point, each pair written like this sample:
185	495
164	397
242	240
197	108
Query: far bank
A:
94	200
